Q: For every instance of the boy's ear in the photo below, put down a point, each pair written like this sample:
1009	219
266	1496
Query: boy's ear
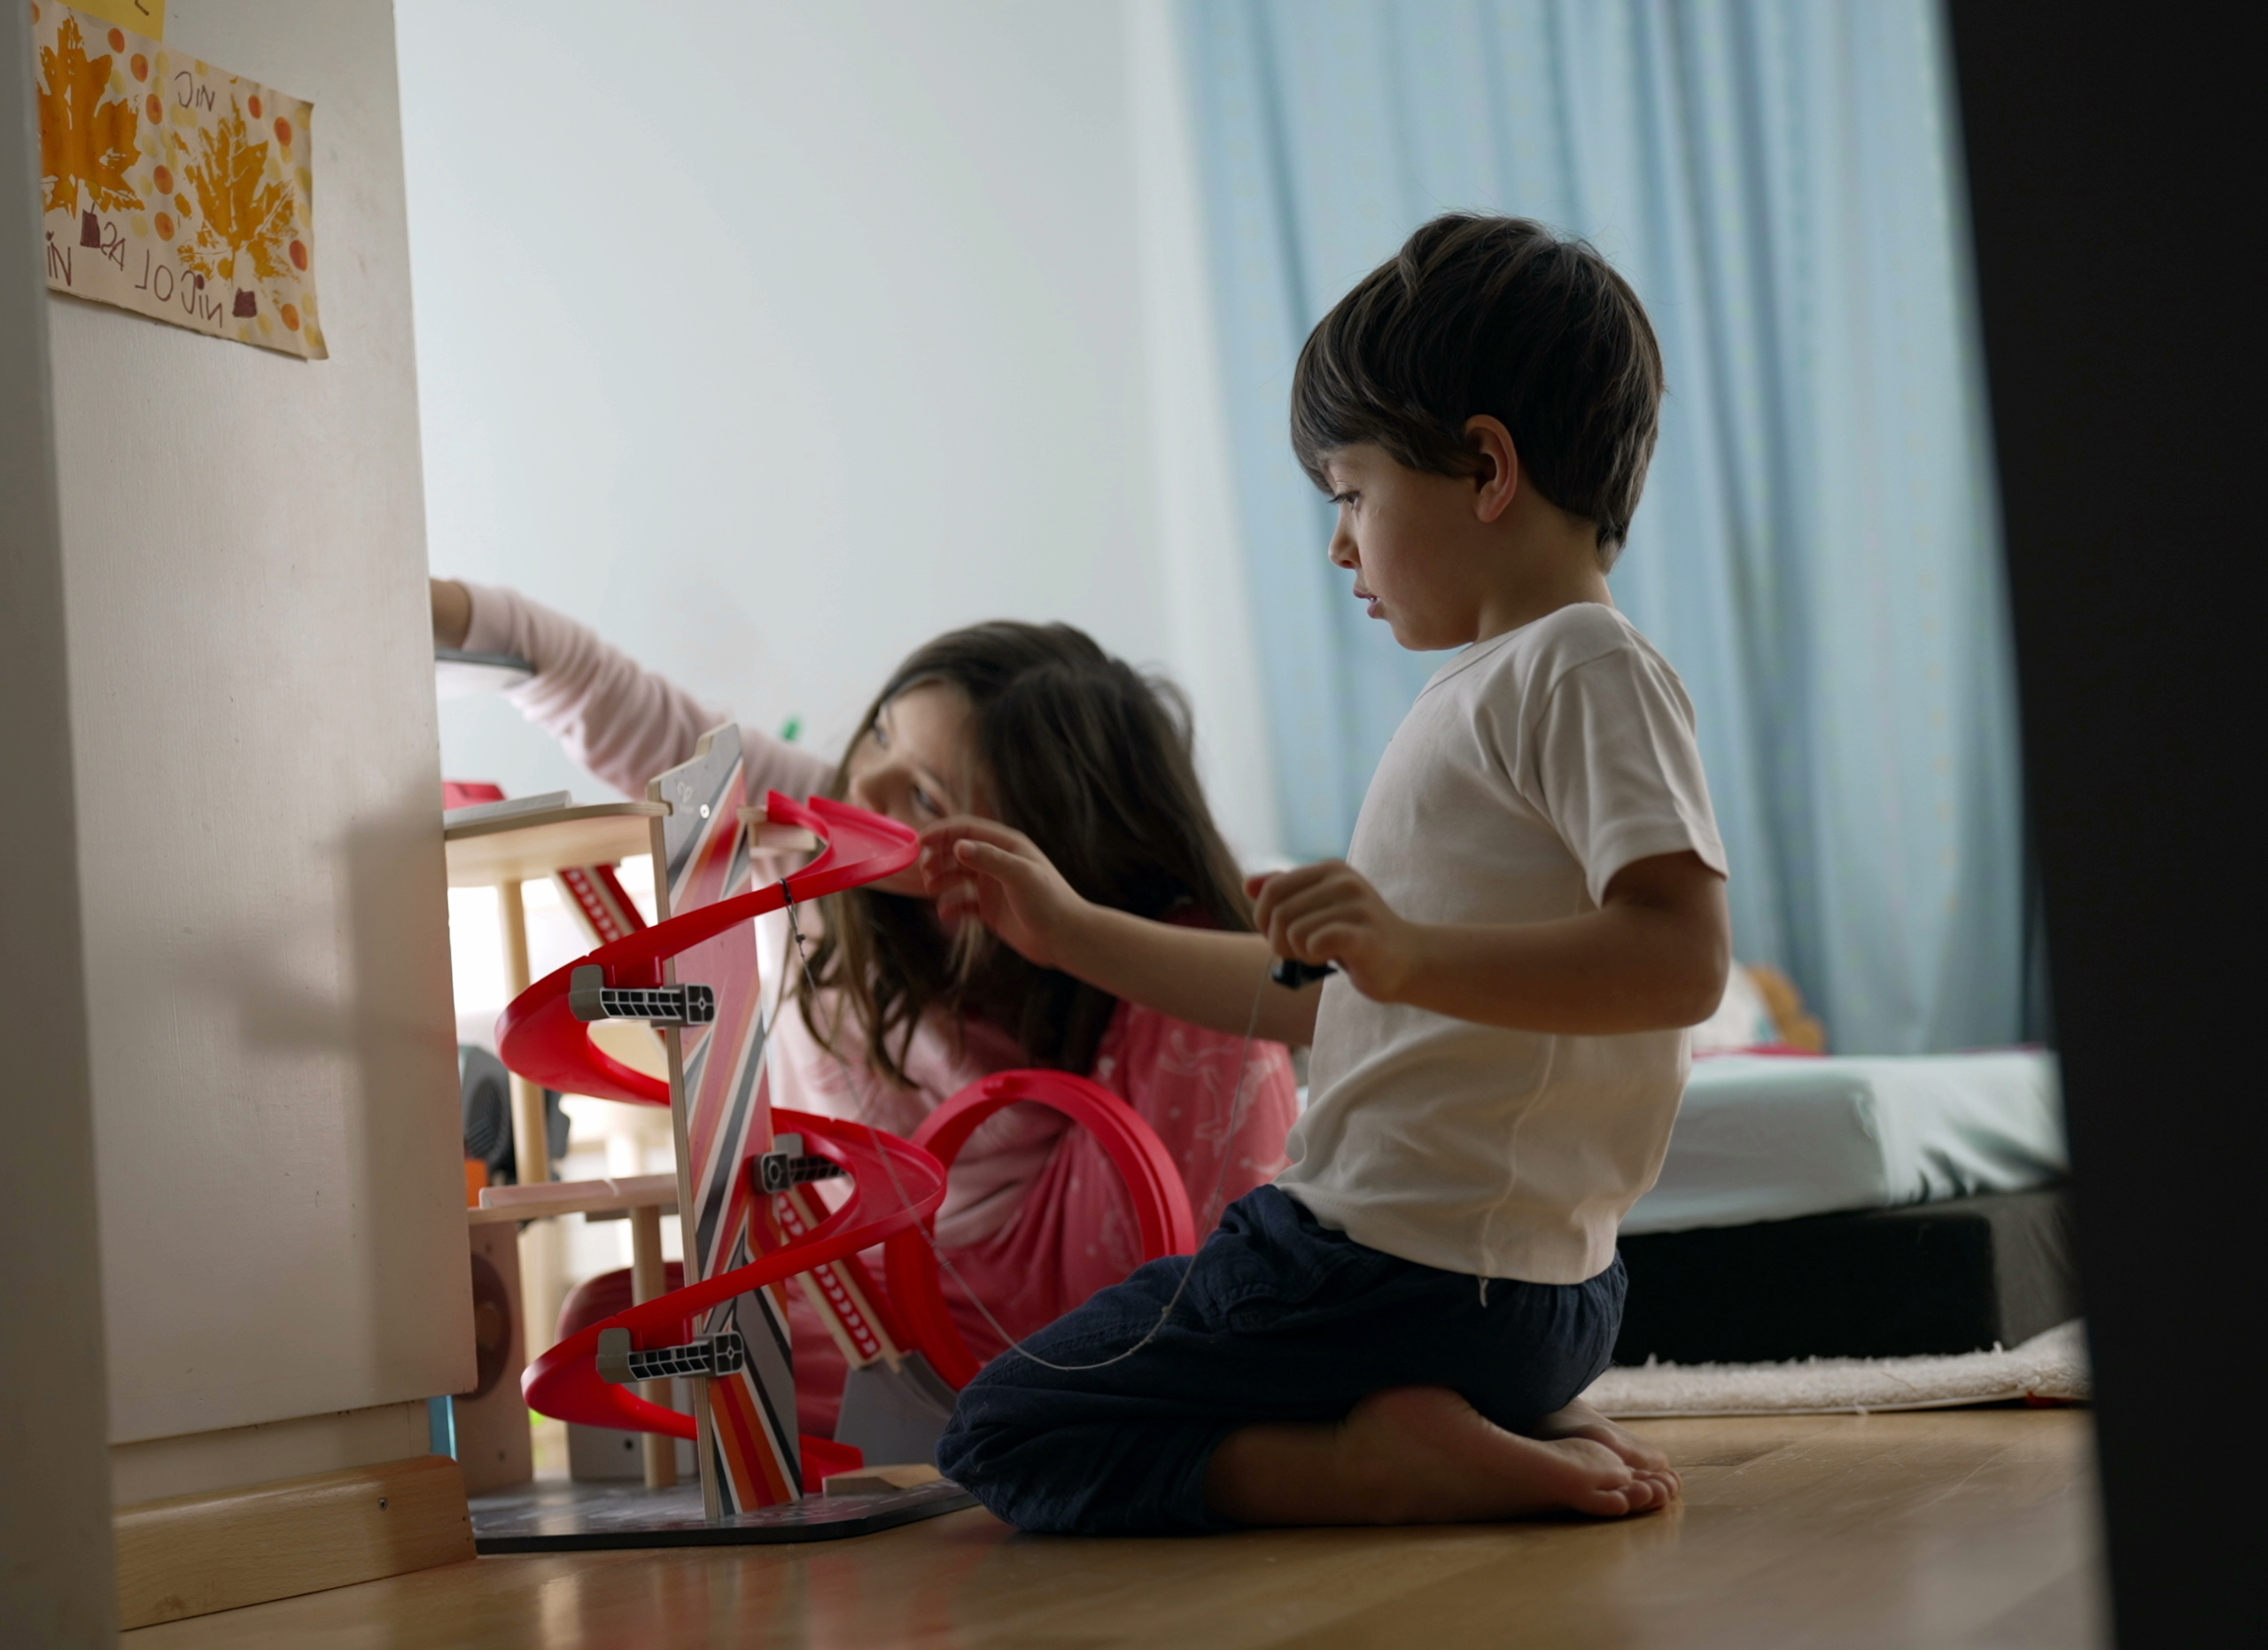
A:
1496	479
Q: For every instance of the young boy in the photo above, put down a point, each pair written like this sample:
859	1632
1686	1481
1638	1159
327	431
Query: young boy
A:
1530	912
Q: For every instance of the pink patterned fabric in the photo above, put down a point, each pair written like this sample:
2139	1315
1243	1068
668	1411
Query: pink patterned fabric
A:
1036	1218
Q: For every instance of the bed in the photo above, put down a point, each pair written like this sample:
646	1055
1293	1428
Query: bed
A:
1775	1137
1853	1208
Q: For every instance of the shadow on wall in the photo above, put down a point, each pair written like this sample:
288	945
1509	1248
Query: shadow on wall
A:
372	1002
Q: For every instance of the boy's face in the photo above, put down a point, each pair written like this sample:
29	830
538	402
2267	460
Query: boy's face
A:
1413	544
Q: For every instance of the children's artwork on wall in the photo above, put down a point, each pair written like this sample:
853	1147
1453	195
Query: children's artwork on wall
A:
174	188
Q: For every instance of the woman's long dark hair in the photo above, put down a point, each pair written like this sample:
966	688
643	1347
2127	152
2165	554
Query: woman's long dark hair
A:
1090	759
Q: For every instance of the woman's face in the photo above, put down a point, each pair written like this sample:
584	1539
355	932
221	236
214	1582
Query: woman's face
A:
918	765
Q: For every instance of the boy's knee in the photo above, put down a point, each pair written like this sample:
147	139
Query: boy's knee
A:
990	1421
956	1454
1005	1464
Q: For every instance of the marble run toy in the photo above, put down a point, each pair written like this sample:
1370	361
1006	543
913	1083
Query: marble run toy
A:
752	1220
744	1415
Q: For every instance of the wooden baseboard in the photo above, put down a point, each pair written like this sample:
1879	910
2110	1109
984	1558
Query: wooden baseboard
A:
192	1554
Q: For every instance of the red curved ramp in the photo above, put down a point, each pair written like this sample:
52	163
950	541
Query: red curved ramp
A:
539	1036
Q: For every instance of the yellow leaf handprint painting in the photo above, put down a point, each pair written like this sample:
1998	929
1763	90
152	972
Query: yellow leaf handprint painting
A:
241	214
86	144
173	188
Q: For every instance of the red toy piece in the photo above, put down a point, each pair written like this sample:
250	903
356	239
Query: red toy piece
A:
895	1186
600	900
1161	1203
539	1036
467	793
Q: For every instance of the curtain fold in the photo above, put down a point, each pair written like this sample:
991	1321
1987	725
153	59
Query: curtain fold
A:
1817	548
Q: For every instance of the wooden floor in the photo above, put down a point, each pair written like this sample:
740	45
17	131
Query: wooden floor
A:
1954	1530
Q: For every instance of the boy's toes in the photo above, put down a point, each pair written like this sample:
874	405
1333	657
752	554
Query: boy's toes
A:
1610	1503
1642	1492
1661	1488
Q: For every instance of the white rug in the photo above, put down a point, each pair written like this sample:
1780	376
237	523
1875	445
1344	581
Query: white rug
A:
2051	1366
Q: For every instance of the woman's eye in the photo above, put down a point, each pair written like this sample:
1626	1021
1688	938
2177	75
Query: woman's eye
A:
1342	500
922	800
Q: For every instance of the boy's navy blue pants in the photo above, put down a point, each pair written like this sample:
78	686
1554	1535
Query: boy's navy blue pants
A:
1283	1320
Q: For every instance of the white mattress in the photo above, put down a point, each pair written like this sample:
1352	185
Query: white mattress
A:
1761	1137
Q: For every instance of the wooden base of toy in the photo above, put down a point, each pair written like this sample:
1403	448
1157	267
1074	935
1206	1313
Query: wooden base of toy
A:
558	1515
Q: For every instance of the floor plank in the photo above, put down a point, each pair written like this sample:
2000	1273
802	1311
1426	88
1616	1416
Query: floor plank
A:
1954	1530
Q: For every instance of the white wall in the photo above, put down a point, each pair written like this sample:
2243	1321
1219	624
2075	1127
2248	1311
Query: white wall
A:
277	1135
56	1584
775	337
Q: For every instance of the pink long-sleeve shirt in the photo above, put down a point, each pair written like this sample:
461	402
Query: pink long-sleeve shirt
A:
1035	1215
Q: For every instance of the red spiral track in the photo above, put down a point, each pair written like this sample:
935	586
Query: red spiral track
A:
896	1185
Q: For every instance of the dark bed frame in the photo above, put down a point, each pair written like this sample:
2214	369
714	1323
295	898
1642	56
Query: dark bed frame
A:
1960	1276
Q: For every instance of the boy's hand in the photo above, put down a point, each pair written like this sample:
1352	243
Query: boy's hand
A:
981	869
1328	913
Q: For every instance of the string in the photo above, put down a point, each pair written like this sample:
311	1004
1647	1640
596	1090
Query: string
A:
1212	1207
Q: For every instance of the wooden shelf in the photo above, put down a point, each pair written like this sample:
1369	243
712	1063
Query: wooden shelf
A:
530	846
574	1197
527	847
777	838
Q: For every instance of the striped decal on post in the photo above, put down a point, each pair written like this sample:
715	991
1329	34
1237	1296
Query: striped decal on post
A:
721	1110
843	1291
599	898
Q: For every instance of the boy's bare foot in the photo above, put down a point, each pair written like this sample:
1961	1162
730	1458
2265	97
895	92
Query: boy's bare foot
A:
1420	1455
1579	1420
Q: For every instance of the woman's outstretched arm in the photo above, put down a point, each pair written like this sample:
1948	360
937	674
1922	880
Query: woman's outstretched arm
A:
452	612
983	871
621	721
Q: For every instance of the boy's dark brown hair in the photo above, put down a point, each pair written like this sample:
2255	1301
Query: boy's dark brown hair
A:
1090	759
1497	316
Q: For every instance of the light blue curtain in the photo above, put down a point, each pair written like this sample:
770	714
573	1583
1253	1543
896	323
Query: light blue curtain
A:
1816	551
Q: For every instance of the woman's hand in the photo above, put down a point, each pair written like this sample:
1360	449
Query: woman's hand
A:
452	612
1328	913
981	869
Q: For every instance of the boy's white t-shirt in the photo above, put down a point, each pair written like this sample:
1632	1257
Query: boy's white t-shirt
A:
1534	767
